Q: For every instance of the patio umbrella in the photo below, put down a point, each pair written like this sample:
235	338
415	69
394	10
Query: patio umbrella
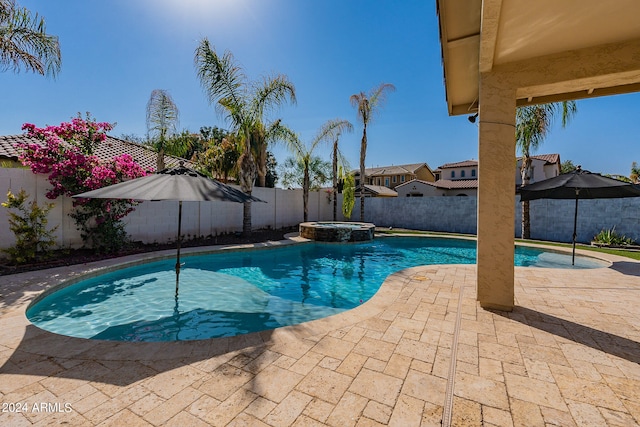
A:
179	183
578	184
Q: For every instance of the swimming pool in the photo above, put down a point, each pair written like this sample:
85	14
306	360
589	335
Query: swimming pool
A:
238	292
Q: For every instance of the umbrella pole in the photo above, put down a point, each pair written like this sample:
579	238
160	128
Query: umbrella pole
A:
179	239
575	226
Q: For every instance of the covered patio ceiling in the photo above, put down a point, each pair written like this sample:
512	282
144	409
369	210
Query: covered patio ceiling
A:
553	50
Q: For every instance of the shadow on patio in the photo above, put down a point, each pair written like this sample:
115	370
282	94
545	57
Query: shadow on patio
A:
581	334
627	268
44	354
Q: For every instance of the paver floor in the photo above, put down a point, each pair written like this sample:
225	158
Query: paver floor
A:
421	352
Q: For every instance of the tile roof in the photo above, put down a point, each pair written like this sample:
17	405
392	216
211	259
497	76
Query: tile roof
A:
110	148
463	164
447	184
549	158
393	170
456	184
380	190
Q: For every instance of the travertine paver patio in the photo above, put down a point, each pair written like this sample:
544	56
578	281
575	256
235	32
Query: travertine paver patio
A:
421	352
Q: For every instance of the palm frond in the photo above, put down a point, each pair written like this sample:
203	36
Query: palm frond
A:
289	138
361	103
272	93
162	114
292	172
378	95
330	131
569	109
533	123
222	80
24	41
367	104
343	163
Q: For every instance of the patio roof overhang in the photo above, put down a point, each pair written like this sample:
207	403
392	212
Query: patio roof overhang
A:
552	51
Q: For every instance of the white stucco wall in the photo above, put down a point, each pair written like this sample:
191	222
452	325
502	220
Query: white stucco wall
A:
157	221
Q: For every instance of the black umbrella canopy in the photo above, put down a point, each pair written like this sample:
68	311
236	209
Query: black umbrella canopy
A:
588	186
578	184
181	184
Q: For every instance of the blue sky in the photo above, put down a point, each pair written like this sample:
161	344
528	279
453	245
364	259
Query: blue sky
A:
114	53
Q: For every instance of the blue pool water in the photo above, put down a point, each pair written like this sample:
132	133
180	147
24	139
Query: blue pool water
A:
232	293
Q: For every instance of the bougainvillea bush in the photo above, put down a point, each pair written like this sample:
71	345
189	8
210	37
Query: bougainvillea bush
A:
66	154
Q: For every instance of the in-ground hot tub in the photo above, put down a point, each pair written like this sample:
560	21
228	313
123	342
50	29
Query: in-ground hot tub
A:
337	231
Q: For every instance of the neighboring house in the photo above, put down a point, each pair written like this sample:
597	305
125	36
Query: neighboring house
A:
443	187
543	166
392	176
461	178
467	169
107	150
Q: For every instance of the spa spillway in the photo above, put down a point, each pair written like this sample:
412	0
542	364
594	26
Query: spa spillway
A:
337	231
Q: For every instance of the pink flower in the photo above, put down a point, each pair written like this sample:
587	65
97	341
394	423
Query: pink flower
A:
66	154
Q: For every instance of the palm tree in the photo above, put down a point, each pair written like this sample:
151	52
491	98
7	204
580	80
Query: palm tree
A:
567	166
304	153
162	121
533	123
293	172
25	42
337	127
366	106
245	105
264	136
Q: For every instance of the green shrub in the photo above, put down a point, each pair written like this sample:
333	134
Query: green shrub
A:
612	238
29	225
348	195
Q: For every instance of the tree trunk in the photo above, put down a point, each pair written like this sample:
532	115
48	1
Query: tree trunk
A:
526	220
262	166
246	176
160	160
246	218
305	192
335	180
363	153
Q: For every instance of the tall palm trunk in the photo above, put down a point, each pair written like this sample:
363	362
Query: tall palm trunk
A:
526	220
160	160
246	218
247	173
533	123
363	153
335	180
262	166
305	191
